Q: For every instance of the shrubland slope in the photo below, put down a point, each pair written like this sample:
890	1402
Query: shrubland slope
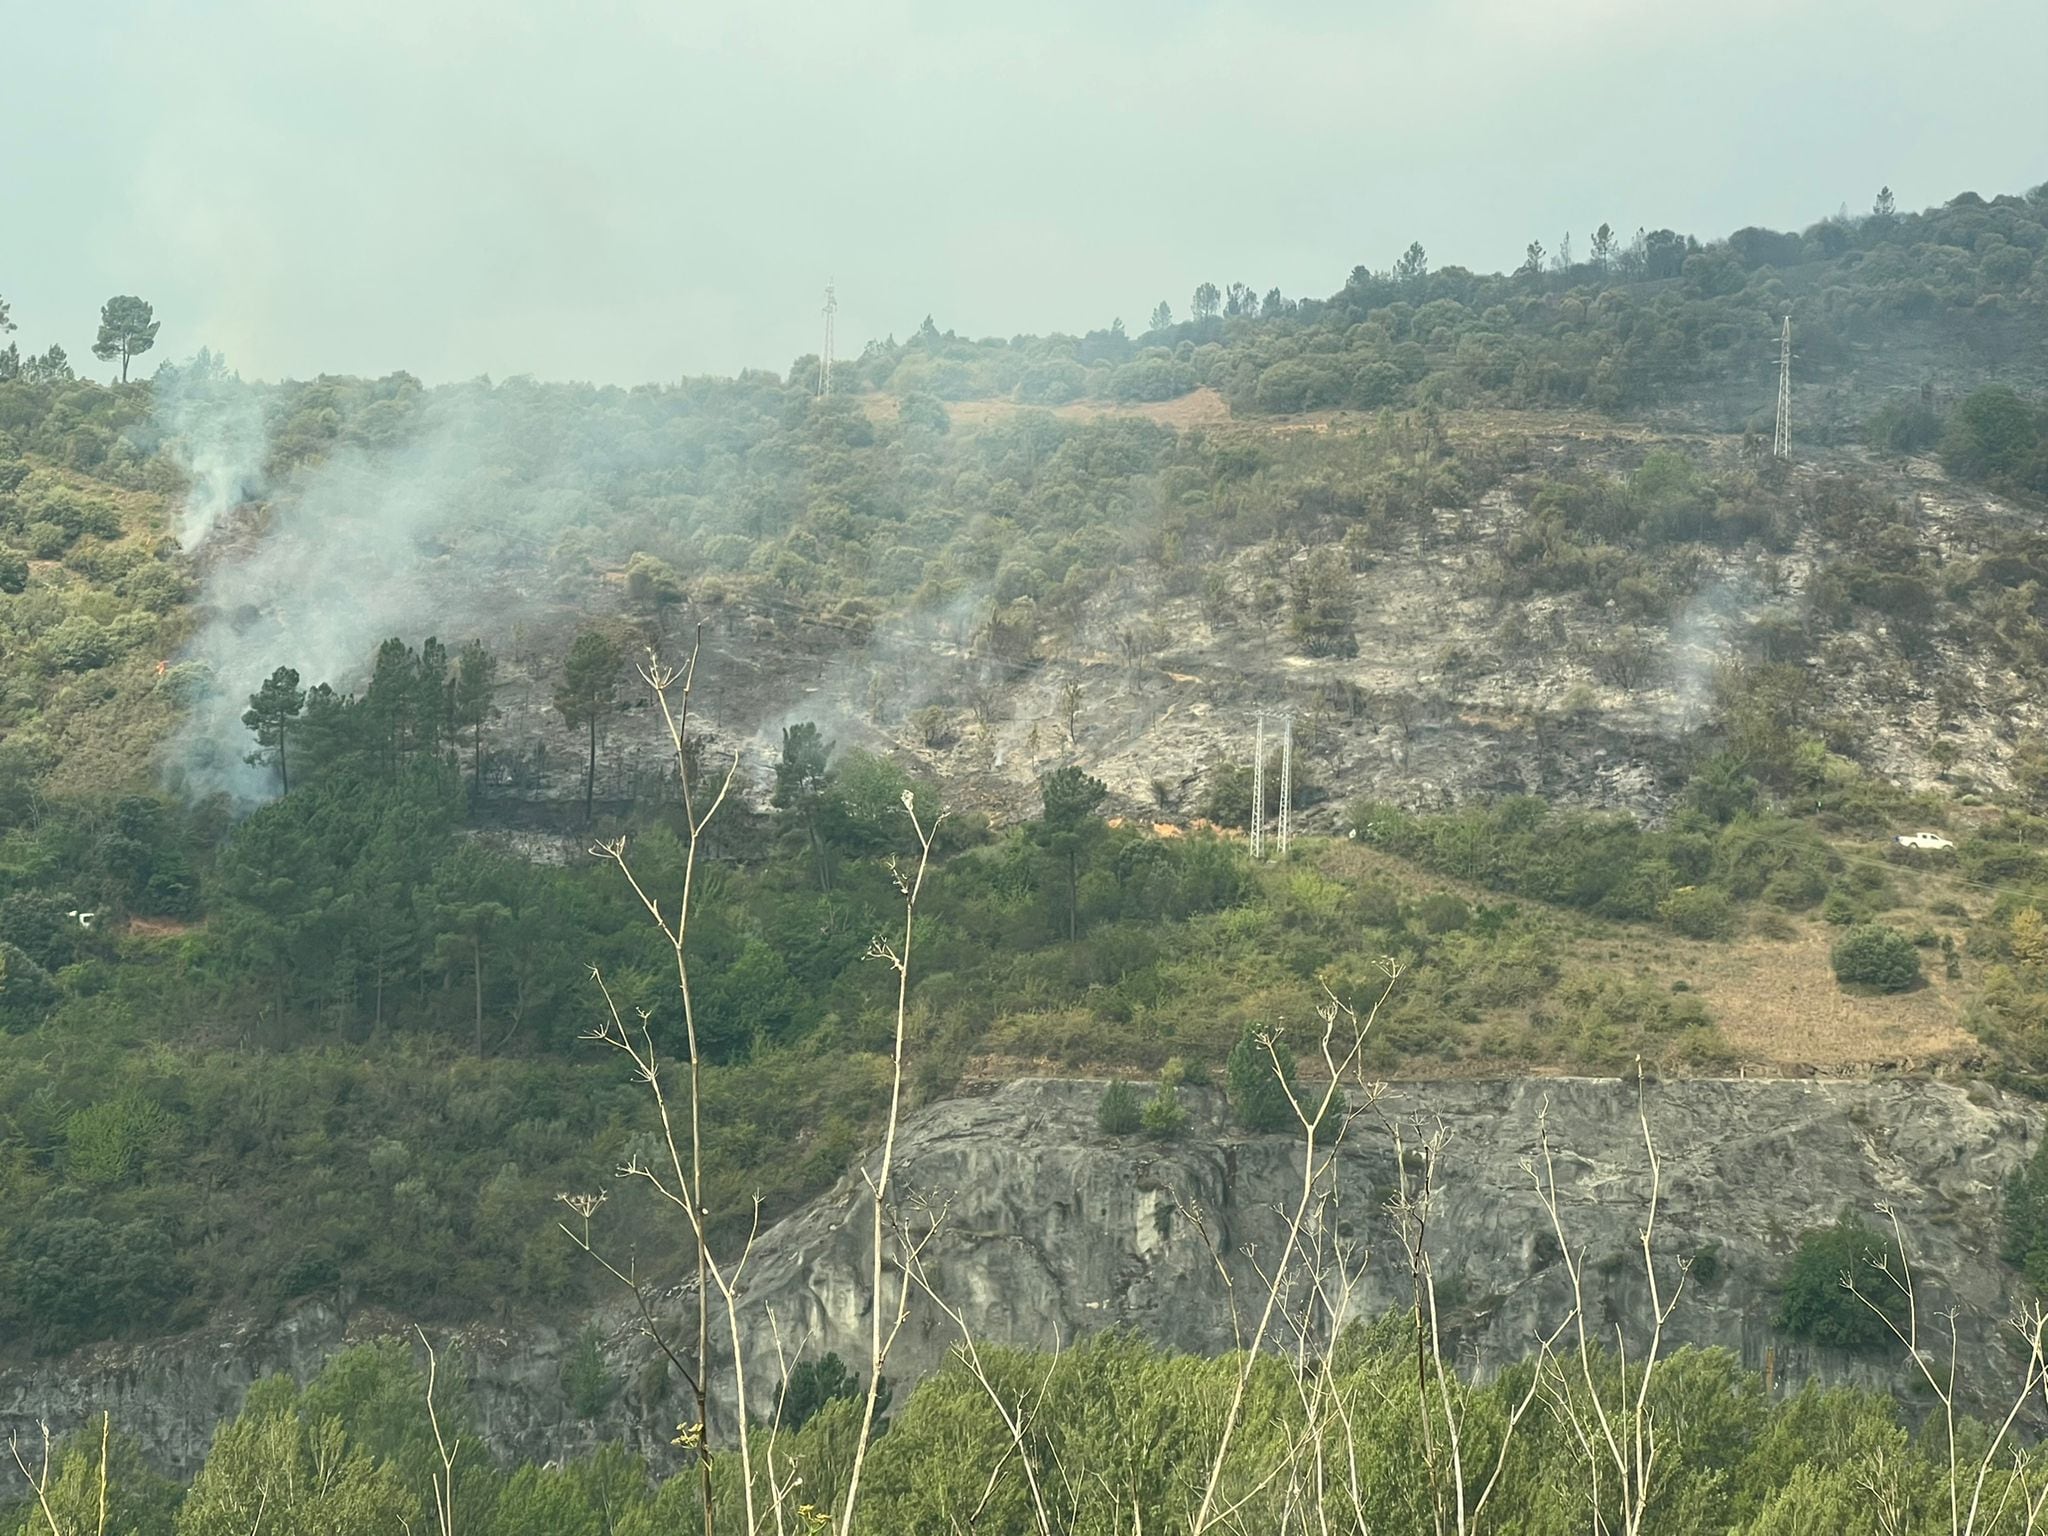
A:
1604	722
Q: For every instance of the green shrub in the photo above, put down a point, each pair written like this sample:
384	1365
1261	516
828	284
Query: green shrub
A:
26	990
1795	889
1163	1115
1814	1304
586	1380
816	1383
1699	912
2025	1244
13	571
1444	912
1705	1270
115	1140
1257	1094
1904	426
68	1278
1875	956
156	586
1118	1113
47	541
79	644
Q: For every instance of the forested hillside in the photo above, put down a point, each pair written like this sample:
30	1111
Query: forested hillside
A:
314	696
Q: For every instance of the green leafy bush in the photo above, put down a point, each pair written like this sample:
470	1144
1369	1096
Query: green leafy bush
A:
1254	1077
814	1384
115	1140
68	1278
1873	955
1118	1114
1444	912
2025	1243
586	1379
79	644
26	991
47	541
1699	912
1815	1304
1163	1115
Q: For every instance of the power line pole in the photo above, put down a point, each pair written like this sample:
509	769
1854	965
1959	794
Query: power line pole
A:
1286	783
1781	448
1259	790
825	356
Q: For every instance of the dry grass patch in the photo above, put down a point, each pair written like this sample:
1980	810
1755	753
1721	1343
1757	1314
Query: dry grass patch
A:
1777	1004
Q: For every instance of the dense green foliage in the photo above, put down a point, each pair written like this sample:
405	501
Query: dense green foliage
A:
1259	1077
1817	1300
1692	875
1998	437
1119	1113
1875	956
2025	1244
1656	318
1117	1432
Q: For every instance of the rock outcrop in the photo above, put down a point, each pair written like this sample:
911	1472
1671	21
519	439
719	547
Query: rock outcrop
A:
1050	1230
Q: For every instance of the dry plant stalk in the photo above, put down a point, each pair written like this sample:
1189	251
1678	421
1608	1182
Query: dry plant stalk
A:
2030	1323
681	1183
1453	1505
1624	1439
911	885
1016	1419
684	1186
444	1480
1316	1164
38	1480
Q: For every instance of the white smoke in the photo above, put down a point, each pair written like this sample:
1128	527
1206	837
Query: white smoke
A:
213	428
366	544
1702	637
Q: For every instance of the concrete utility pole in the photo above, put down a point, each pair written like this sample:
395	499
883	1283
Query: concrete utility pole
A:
825	356
1781	447
1259	790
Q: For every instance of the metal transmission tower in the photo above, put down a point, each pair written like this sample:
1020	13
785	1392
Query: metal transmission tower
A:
1781	447
825	356
1259	790
1286	782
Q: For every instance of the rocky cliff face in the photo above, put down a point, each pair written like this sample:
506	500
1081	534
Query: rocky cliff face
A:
1051	1230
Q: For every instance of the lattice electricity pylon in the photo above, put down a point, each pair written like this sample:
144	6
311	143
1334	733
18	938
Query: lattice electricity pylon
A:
1259	790
1286	783
1781	445
825	356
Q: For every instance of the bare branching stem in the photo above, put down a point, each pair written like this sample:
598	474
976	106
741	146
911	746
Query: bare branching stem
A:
444	1480
911	886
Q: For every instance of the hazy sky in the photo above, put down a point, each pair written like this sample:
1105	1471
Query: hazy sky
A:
638	189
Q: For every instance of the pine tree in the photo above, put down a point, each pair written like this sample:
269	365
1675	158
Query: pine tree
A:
1118	1113
589	680
272	708
476	672
1257	1094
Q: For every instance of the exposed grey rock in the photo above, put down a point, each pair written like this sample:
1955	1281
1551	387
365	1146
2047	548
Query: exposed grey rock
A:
1052	1231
